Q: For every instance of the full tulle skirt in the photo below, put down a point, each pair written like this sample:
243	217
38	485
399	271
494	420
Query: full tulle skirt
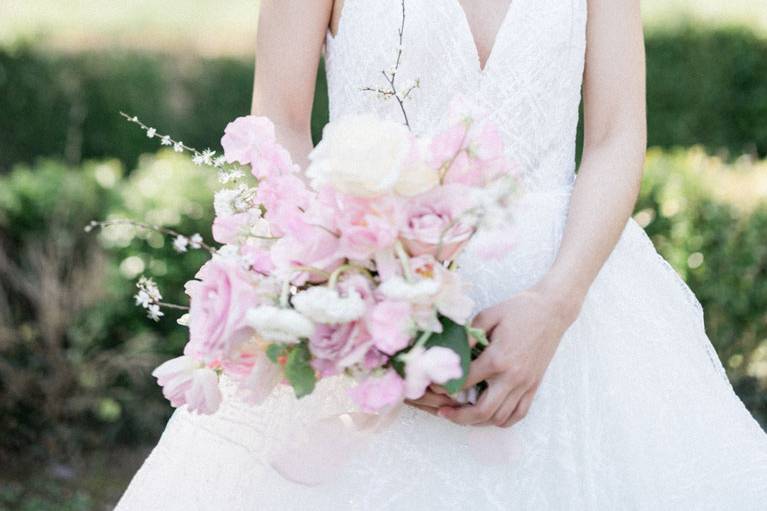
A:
634	413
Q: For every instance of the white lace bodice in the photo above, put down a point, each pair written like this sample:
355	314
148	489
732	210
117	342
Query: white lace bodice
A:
530	84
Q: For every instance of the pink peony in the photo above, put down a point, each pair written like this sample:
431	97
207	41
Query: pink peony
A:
219	298
436	222
185	381
389	323
339	346
376	393
251	140
424	367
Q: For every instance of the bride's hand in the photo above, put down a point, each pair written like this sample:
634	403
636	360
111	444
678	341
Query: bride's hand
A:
524	333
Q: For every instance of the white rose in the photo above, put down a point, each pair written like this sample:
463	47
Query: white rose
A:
360	155
279	325
325	305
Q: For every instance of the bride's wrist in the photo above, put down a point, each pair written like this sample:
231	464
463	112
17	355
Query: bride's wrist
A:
564	294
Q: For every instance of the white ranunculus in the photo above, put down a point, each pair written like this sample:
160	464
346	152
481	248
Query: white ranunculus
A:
360	155
279	325
325	305
399	289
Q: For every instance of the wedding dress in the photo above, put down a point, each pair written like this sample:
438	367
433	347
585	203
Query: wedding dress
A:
635	411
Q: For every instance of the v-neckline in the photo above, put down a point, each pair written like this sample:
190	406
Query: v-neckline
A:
496	39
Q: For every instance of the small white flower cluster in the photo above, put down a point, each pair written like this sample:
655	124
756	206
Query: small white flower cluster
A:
183	243
207	157
229	201
148	297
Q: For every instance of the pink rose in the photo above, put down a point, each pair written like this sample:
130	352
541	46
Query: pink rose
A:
436	222
251	140
424	367
389	324
219	298
339	346
185	381
376	393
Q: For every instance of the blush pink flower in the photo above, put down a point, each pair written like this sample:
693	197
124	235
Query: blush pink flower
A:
377	393
469	152
390	323
340	346
185	381
446	145
318	249
285	199
436	222
263	377
426	366
219	298
228	229
367	225
251	140
258	259
451	299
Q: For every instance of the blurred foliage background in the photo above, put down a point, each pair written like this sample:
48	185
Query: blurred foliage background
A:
78	408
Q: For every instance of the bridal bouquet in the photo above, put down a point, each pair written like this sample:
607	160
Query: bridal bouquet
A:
348	268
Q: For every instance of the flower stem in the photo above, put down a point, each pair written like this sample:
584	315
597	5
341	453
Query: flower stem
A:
404	261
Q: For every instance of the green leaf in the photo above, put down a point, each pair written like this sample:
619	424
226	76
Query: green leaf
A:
275	351
299	373
453	337
478	334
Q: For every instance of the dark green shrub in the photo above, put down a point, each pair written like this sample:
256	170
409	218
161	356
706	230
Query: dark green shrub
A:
75	355
67	106
707	87
704	86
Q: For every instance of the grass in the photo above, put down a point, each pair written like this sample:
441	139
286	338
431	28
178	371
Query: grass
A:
212	27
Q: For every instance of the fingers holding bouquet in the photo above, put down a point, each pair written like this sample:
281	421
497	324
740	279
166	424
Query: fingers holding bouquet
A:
524	333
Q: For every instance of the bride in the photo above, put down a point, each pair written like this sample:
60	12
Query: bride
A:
604	392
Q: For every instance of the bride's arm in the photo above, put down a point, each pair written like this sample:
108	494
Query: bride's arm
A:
526	330
288	47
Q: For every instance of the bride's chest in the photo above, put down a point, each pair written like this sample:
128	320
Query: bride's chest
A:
437	38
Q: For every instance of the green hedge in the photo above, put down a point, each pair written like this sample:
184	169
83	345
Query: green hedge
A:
705	86
705	216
